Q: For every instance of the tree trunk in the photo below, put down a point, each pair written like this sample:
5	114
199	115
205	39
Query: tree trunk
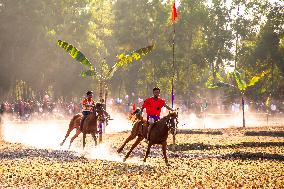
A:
243	107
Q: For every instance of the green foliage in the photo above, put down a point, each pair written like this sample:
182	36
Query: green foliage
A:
241	84
255	79
125	59
204	39
75	53
90	73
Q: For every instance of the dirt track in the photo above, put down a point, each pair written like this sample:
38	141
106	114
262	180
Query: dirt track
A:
222	158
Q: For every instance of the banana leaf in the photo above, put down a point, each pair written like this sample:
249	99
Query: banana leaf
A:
219	84
91	73
240	83
125	59
75	53
267	102
255	79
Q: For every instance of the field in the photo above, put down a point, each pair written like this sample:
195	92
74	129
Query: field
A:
207	158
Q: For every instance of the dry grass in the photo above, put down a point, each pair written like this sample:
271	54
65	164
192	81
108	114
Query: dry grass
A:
223	158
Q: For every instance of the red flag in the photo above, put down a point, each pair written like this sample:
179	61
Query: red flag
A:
174	12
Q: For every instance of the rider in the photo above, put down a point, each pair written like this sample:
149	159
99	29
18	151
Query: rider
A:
88	106
153	107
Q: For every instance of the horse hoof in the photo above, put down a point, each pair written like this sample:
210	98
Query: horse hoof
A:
61	144
119	150
124	159
167	164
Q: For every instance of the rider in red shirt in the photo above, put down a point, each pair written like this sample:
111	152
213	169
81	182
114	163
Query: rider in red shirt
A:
153	106
88	107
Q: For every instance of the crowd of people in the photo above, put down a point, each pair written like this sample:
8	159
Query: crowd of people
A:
27	109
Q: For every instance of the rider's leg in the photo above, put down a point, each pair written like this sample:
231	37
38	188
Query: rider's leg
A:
85	114
82	121
151	123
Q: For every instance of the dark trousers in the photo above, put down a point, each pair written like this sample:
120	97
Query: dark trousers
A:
85	115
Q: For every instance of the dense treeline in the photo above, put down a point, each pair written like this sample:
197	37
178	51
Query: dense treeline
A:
212	37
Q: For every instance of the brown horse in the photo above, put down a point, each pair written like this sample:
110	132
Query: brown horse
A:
90	125
159	133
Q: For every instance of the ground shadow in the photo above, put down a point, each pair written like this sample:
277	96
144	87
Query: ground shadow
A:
253	156
202	146
59	155
187	131
265	133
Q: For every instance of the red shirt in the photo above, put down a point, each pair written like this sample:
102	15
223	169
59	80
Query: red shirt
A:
153	107
86	104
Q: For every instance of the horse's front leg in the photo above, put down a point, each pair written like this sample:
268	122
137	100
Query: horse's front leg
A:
164	149
138	140
148	151
95	138
84	140
75	136
131	137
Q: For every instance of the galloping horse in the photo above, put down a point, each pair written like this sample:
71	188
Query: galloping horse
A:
159	133
89	126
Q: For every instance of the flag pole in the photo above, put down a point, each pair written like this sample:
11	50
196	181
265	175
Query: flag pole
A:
173	66
174	16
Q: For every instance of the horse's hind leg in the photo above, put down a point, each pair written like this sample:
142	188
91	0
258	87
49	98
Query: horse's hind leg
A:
84	140
133	134
75	136
164	149
95	138
131	137
67	134
138	140
148	151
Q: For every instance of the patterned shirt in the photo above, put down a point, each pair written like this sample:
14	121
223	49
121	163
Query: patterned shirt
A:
88	104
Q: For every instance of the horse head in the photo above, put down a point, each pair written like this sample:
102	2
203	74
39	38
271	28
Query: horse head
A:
99	108
136	115
172	121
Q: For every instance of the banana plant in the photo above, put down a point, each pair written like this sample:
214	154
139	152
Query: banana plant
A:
241	85
123	60
106	73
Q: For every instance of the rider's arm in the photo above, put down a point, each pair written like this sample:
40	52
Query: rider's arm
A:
169	108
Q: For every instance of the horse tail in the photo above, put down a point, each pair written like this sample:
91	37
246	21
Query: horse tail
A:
73	120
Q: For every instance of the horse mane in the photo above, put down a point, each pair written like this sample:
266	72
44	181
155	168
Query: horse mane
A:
167	117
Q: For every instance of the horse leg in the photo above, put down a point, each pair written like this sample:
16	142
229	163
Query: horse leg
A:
133	134
84	140
164	149
67	134
138	140
95	138
148	151
75	136
131	137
